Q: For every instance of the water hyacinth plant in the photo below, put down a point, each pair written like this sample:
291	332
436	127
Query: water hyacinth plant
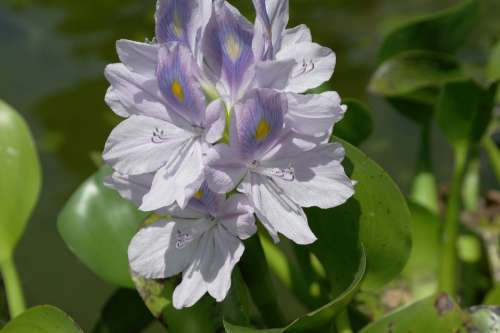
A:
203	77
231	194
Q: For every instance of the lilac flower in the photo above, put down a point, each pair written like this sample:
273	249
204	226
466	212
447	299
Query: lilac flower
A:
202	241
278	169
168	128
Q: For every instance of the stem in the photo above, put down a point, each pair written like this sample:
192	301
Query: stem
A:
343	323
470	192
13	288
448	274
492	243
424	188
493	154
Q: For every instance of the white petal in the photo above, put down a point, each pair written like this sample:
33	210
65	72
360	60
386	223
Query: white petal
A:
275	74
141	58
215	121
153	252
320	179
132	188
278	213
178	180
300	33
134	94
141	144
314	114
237	217
228	251
315	65
222	171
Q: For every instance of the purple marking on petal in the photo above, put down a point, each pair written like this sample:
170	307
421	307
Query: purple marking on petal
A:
173	20
228	46
258	122
177	75
206	201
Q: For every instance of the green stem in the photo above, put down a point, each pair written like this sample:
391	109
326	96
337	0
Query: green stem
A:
493	154
255	271
343	323
448	273
13	288
470	192
424	188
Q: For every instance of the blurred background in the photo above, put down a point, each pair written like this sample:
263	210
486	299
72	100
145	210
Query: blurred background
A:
52	57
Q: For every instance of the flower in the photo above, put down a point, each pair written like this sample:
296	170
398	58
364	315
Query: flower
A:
170	128
202	241
278	169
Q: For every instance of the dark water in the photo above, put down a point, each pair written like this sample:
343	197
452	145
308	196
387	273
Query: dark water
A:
52	55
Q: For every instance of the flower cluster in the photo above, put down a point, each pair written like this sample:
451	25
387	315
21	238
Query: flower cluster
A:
218	130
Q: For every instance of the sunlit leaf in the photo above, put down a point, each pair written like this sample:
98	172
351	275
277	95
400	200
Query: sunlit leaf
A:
42	319
20	178
357	124
493	70
97	225
124	312
413	70
464	111
434	314
443	31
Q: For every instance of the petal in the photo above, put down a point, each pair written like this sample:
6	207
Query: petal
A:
206	201
300	33
278	212
178	76
223	171
140	58
272	19
227	47
178	180
274	74
194	282
237	217
320	179
314	114
215	121
315	65
132	188
182	21
228	251
258	122
134	94
165	248
141	144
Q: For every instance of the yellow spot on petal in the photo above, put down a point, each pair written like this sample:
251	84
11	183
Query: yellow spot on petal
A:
177	25
198	195
176	89
233	47
262	131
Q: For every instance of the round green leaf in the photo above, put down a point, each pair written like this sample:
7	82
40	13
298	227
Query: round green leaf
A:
413	70
434	314
444	31
380	210
42	319
464	111
97	225
357	124
20	178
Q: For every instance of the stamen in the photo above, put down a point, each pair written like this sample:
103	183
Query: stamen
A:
306	67
182	239
159	136
262	131
285	174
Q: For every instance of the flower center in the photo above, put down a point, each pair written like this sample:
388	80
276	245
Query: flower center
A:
177	90
262	130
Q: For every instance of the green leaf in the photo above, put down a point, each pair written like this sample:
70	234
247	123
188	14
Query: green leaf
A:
20	178
433	314
423	265
380	212
97	225
357	124
444	31
417	106
318	319
493	70
493	296
157	295
464	111
42	319
414	70
124	312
